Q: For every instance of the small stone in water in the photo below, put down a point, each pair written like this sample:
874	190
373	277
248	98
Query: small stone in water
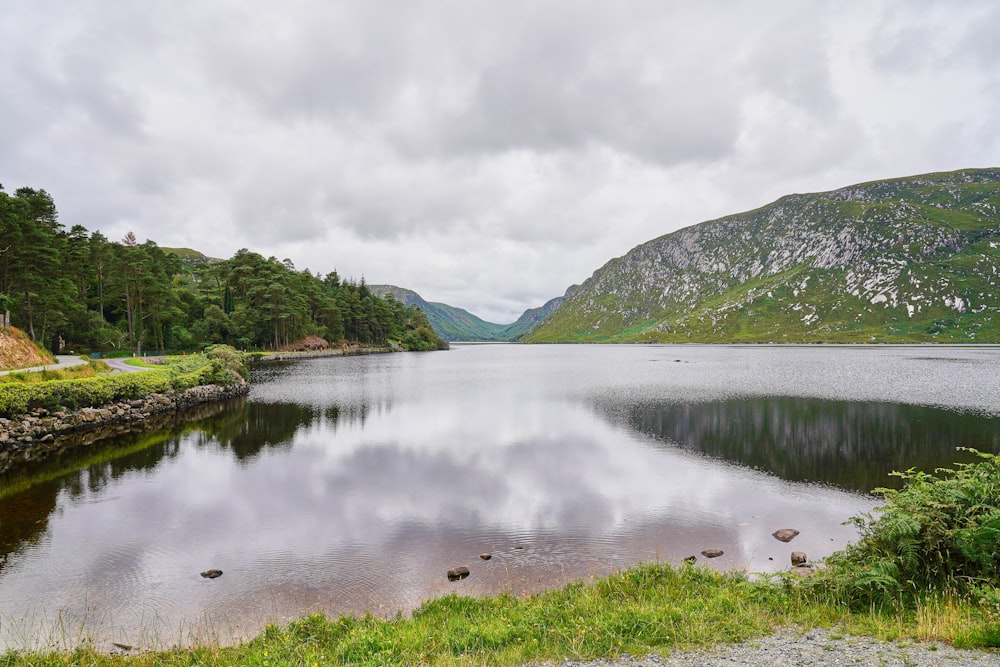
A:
486	556
211	574
712	553
458	573
785	534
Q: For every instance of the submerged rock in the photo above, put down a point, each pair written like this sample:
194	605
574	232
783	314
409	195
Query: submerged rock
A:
458	573
785	534
211	574
486	556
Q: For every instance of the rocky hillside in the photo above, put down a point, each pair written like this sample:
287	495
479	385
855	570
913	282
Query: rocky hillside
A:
909	259
456	324
17	350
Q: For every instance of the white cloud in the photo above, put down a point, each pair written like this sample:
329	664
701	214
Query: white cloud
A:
487	155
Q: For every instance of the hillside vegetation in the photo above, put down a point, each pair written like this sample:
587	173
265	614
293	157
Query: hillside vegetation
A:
93	293
905	260
17	350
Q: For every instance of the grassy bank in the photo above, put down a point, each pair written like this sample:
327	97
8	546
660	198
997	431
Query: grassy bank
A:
925	568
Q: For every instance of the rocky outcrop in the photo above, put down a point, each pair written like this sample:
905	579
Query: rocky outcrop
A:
32	437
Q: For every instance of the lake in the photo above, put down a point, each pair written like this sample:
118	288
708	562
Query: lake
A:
353	484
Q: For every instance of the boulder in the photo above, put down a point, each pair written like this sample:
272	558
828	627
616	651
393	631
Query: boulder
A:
457	573
712	553
785	534
798	558
802	571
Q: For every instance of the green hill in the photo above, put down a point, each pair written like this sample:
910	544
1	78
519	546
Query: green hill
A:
457	324
189	256
903	260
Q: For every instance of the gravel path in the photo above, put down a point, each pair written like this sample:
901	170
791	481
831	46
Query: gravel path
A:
62	361
791	647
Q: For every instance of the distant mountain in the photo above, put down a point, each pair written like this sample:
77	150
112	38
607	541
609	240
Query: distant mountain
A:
902	260
189	256
532	317
455	324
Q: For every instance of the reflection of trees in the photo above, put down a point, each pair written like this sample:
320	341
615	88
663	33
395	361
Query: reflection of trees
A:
258	426
23	520
90	463
850	445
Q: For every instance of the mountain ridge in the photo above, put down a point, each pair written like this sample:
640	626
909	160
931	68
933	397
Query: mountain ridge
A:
457	324
897	260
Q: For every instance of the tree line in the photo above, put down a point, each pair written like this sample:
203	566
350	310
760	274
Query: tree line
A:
79	290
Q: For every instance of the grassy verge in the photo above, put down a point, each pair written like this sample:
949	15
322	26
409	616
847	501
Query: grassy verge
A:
142	363
90	369
926	568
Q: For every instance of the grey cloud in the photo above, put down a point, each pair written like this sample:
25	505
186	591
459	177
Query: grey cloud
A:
481	151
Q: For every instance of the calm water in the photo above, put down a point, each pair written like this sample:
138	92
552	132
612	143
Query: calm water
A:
347	485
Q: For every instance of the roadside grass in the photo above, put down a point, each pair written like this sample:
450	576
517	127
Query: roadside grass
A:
91	369
142	363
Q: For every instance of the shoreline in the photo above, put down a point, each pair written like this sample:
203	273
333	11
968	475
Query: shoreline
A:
31	438
264	357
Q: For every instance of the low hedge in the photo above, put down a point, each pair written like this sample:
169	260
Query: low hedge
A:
17	399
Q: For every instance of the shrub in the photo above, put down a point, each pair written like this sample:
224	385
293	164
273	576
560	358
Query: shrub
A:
937	533
16	399
226	365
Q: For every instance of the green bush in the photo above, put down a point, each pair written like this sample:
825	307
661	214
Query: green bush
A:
937	533
226	365
16	399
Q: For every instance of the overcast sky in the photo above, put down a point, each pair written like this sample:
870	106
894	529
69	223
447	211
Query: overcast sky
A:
484	154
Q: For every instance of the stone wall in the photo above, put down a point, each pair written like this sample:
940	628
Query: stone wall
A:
30	438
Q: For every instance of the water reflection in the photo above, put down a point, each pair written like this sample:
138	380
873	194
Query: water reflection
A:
847	444
352	485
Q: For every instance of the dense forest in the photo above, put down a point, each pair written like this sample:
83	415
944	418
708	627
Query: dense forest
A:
79	290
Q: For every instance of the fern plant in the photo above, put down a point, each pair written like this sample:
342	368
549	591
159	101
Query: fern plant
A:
938	532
